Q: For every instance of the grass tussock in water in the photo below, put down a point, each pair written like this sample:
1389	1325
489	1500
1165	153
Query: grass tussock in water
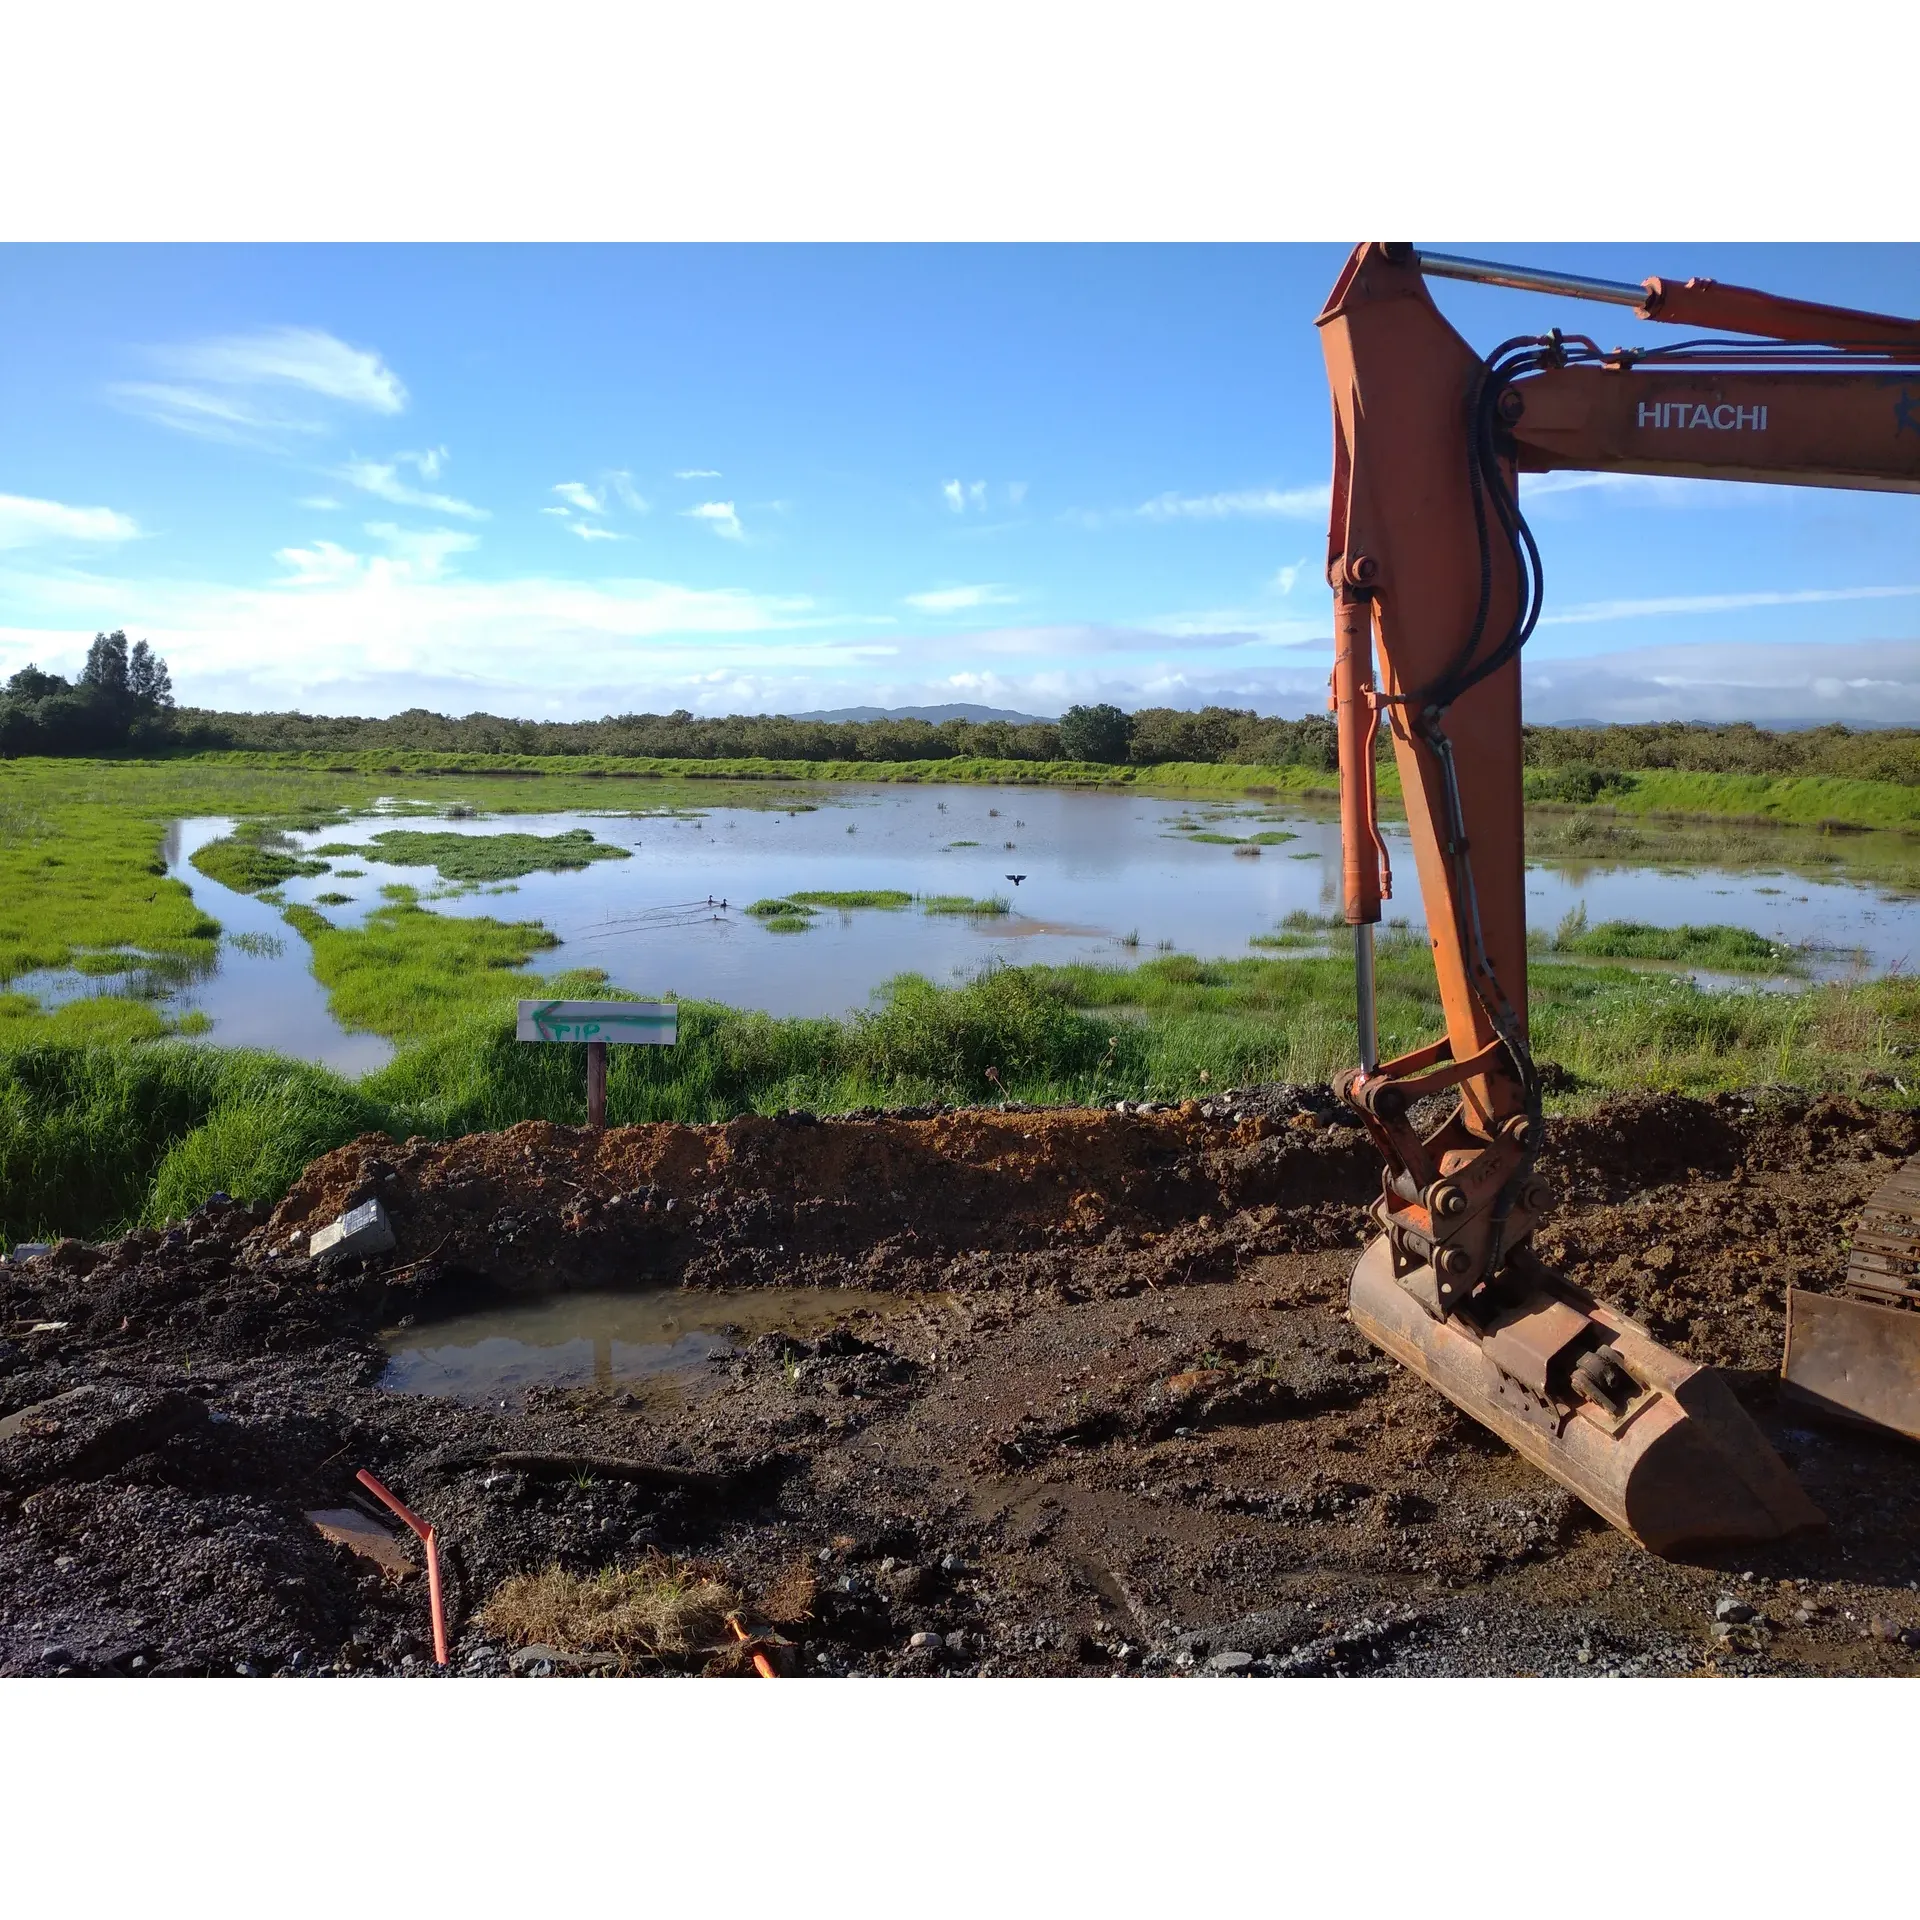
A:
1720	949
247	865
887	899
993	903
659	1610
471	858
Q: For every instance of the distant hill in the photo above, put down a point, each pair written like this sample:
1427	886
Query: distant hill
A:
978	716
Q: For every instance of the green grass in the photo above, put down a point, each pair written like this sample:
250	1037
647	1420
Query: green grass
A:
889	899
1269	839
407	972
96	1132
963	903
470	858
1718	948
244	864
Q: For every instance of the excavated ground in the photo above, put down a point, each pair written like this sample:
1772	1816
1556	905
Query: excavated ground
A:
1118	1424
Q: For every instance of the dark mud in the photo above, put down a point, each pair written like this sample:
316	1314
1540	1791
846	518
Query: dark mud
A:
1117	1424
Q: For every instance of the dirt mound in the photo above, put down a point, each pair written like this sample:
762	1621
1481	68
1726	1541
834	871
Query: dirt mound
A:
900	1202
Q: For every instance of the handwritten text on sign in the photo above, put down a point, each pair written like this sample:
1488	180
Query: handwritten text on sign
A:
631	1023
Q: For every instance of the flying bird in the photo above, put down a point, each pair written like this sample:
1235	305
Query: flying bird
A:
1016	878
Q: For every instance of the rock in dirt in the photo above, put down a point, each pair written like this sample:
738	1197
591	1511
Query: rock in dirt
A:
349	1527
530	1660
363	1230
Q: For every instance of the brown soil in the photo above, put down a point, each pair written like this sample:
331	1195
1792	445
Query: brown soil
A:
1119	1424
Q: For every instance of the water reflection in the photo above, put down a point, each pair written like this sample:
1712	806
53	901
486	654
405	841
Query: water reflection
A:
608	1339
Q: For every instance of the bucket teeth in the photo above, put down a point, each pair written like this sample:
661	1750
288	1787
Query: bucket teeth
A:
1857	1354
1680	1466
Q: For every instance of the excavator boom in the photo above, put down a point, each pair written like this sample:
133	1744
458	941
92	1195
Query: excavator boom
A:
1437	583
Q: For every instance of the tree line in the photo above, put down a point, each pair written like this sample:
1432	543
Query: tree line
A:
123	698
123	702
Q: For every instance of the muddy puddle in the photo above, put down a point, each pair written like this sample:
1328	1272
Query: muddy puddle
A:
608	1339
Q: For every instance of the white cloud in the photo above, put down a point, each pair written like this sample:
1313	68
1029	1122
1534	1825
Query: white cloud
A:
696	473
627	493
428	464
320	502
583	497
1016	492
323	564
397	625
413	555
381	478
1598	610
258	387
962	494
1292	503
1284	579
423	552
587	531
1859	683
958	599
720	516
208	415
26	522
559	513
303	357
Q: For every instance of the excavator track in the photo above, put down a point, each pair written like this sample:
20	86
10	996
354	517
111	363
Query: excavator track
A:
1856	1354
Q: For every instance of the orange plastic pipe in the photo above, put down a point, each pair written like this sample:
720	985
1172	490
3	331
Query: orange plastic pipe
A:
432	1545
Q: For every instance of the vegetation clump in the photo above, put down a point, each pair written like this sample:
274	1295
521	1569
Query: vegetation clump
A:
472	857
962	903
660	1610
889	899
1722	948
245	862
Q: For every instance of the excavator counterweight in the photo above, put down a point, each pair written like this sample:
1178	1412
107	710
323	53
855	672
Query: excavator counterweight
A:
1436	578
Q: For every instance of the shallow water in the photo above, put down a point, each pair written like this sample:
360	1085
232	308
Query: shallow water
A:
1108	878
607	1339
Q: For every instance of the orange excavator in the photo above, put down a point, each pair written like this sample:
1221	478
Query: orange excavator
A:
1436	577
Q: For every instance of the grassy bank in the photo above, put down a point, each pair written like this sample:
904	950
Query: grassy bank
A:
1786	799
95	1132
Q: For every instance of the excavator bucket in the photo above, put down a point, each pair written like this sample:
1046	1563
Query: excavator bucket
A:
1665	1453
1857	1354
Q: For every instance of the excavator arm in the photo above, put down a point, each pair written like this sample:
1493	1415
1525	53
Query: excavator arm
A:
1437	585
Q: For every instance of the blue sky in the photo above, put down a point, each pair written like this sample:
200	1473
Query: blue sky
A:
563	481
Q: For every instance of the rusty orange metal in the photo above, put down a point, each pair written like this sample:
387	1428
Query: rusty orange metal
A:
1729	309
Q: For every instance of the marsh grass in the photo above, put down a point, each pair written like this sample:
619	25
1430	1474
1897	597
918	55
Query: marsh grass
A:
249	861
1720	949
472	858
887	899
994	903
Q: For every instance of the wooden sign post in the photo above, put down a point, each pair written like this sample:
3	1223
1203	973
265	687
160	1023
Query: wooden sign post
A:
601	1024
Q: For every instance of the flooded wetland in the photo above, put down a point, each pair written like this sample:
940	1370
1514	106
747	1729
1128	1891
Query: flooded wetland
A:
809	908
